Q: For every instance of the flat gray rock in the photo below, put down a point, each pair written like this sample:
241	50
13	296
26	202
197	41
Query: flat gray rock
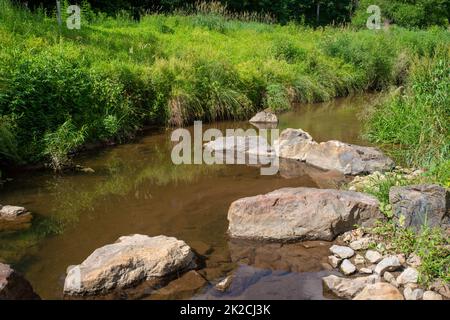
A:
342	251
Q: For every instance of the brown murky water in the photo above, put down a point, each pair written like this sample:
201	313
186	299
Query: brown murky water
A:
137	189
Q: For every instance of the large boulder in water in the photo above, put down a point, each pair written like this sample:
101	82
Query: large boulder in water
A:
301	214
128	262
13	286
331	155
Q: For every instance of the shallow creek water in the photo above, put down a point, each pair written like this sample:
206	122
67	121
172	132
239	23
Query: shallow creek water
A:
137	189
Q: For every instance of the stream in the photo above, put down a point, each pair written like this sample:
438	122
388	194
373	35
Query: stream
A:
137	189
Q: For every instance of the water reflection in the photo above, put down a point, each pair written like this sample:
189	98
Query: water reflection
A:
136	189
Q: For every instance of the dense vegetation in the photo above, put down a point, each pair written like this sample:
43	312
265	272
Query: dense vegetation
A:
414	122
60	89
407	13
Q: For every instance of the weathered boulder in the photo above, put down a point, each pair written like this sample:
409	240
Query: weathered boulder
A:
390	263
347	267
264	117
365	271
379	291
373	256
13	286
342	251
420	204
430	295
347	288
440	287
331	155
361	244
128	262
334	261
413	294
410	275
301	214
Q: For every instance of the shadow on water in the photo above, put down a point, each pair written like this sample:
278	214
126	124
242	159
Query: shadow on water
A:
137	189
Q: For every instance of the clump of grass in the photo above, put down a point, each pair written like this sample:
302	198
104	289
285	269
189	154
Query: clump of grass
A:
58	144
380	186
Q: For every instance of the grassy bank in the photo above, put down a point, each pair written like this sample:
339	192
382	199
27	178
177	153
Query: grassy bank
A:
59	90
413	126
413	122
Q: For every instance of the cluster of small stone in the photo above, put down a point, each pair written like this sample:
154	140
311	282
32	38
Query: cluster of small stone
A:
377	274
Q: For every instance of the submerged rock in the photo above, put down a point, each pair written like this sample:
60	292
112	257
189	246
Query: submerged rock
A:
284	257
332	155
182	288
264	117
301	214
223	285
420	205
247	149
14	286
14	218
379	291
128	262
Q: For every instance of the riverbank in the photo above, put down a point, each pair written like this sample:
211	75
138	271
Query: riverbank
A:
113	76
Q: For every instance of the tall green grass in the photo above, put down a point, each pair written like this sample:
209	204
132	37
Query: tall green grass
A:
115	74
414	123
